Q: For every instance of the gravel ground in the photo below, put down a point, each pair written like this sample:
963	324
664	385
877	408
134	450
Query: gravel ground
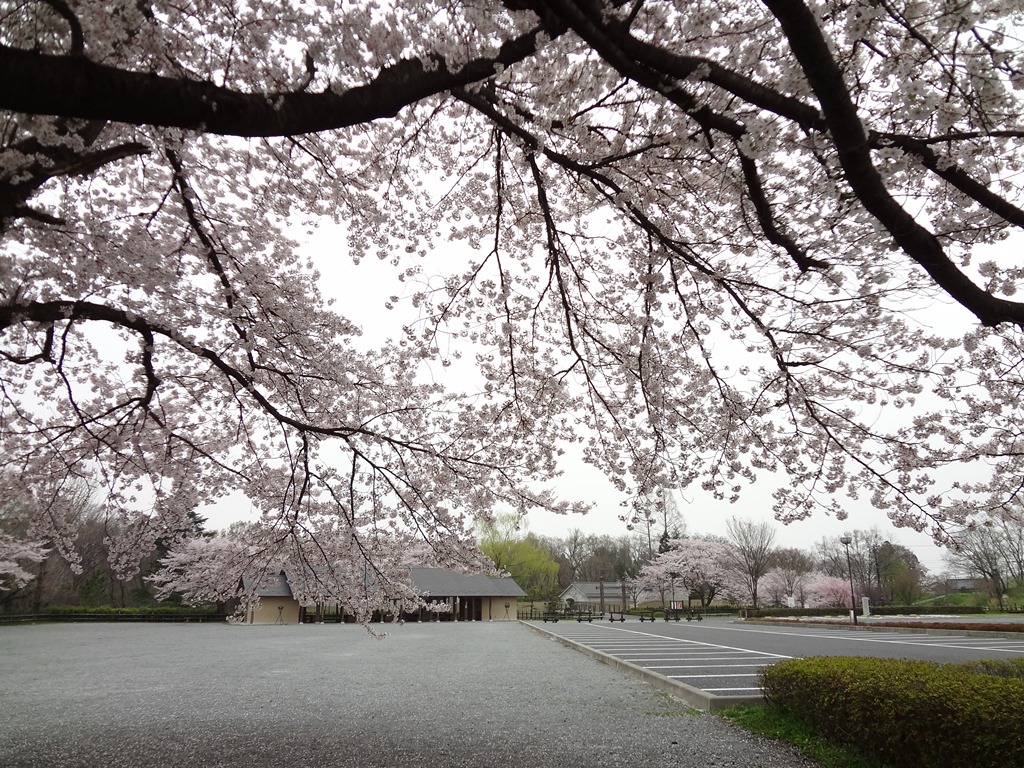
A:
483	694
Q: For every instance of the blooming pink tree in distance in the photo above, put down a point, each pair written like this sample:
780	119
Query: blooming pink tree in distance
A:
782	584
828	591
701	567
659	576
709	242
16	555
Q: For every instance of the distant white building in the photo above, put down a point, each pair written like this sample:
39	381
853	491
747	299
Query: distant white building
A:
605	595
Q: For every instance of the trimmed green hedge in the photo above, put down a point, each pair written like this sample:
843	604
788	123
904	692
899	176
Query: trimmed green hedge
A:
876	610
767	613
910	714
1000	668
918	610
711	610
149	610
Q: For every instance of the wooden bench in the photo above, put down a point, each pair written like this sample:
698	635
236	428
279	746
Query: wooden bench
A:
647	616
588	616
691	616
550	617
613	614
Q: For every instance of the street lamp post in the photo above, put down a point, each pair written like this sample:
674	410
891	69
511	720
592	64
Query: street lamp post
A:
845	541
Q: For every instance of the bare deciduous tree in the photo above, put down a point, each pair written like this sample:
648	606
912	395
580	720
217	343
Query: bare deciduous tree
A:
753	552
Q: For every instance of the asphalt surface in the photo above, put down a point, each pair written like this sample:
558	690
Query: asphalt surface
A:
429	695
715	663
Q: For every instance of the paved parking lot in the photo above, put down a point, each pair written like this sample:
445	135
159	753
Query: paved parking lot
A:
720	670
430	695
715	663
706	675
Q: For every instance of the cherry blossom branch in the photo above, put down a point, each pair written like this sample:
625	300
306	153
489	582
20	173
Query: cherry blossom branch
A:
59	311
612	191
851	141
632	61
49	313
54	161
187	197
661	71
952	173
77	36
766	218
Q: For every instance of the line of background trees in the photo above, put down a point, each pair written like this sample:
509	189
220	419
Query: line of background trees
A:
747	566
35	575
660	556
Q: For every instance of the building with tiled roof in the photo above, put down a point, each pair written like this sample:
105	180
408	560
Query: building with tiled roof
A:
455	596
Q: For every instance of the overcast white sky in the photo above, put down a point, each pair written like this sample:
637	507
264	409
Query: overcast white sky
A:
704	515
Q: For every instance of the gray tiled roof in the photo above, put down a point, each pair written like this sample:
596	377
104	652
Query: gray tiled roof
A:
275	585
439	582
436	582
592	589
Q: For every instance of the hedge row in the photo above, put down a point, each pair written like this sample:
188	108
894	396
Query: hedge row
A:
998	667
717	610
917	610
911	714
149	610
877	610
959	625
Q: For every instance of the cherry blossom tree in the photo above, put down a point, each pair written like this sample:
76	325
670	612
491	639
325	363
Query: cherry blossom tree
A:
208	569
782	584
699	567
15	555
710	241
660	577
828	591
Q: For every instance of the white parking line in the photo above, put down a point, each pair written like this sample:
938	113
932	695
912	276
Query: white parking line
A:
696	662
645	662
706	645
696	677
705	666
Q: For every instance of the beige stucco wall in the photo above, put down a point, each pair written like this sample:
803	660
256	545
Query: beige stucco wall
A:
268	613
494	609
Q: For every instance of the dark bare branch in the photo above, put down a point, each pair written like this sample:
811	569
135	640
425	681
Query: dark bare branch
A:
73	86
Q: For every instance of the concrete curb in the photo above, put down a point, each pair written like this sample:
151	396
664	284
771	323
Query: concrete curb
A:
695	697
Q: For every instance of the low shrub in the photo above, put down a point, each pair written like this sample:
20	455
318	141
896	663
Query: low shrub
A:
149	610
911	714
1001	667
877	610
918	610
946	626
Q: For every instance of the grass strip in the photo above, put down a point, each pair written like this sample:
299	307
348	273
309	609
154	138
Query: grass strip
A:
773	723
